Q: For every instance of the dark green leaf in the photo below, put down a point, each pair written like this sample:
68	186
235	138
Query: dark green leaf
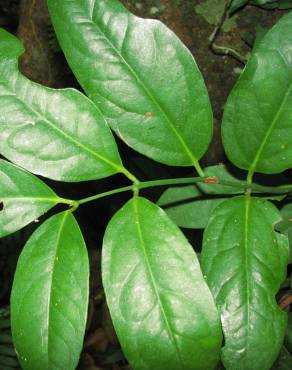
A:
50	296
244	261
186	206
288	336
23	198
161	307
236	4
284	361
285	226
256	128
143	79
54	133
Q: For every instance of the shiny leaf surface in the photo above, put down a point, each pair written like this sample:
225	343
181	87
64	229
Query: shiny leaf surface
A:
143	78
257	126
161	307
54	133
23	198
50	296
244	261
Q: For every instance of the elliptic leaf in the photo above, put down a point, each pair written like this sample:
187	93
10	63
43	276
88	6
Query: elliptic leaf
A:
257	125
244	261
23	198
50	295
58	134
161	307
143	79
186	207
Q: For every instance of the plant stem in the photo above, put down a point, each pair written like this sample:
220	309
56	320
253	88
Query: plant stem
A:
284	189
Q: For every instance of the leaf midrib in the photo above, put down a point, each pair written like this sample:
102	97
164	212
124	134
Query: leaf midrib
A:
57	243
269	132
146	90
153	283
67	136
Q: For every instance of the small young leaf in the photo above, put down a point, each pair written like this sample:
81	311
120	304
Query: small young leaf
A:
186	207
244	261
54	133
23	198
256	128
50	295
143	78
161	307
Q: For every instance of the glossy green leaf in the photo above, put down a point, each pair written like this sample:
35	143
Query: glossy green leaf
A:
23	198
140	75
161	307
244	261
257	125
186	206
54	133
50	295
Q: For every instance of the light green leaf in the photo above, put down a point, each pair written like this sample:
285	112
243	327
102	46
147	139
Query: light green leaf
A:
186	206
257	125
23	198
140	75
50	295
161	307
54	133
244	261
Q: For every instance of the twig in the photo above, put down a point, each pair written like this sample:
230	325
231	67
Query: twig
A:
220	49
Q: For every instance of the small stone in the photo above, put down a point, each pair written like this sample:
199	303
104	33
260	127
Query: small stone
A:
154	10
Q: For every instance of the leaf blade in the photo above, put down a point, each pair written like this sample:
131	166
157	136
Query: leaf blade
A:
51	132
256	127
24	198
50	295
245	262
140	62
140	309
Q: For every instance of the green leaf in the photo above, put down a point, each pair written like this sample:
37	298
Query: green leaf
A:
288	336
186	206
244	261
284	361
236	4
54	133
23	198
50	295
256	128
161	307
285	226
143	79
